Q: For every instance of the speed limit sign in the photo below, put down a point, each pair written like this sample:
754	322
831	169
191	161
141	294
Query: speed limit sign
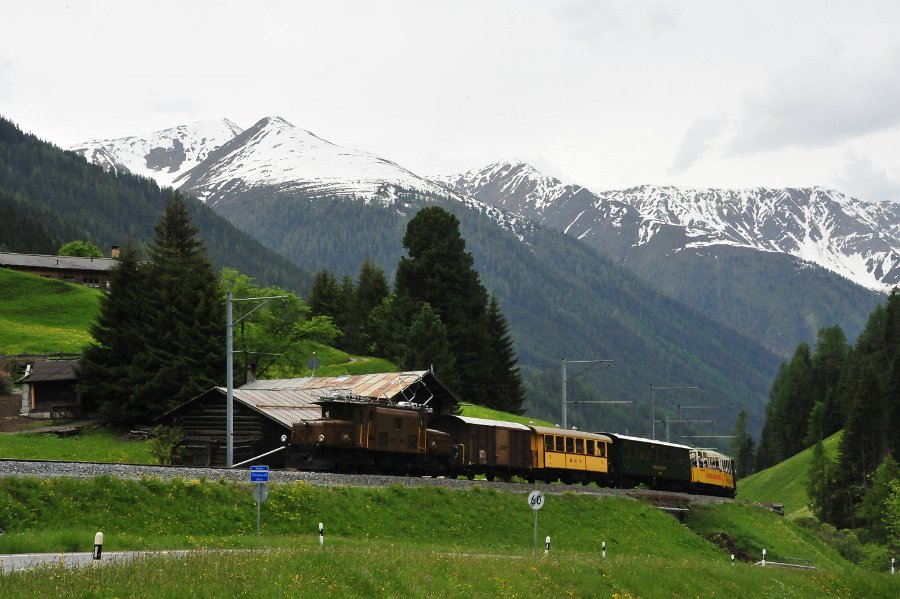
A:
536	500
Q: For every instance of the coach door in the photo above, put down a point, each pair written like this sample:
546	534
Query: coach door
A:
502	447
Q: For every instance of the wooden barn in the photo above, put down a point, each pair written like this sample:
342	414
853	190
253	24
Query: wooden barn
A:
48	390
264	410
91	272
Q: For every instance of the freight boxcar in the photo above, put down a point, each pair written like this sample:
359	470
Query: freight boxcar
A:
657	464
361	435
569	456
493	448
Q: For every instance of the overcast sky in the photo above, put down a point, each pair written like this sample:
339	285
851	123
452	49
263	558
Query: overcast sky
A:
607	94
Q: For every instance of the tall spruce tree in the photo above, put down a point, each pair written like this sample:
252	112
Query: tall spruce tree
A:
183	333
742	446
507	387
324	297
427	346
438	270
371	289
105	366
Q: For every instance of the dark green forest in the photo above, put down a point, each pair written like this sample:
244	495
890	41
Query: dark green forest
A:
49	196
855	387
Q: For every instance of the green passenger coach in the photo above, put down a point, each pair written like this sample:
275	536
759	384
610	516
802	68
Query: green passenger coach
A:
657	464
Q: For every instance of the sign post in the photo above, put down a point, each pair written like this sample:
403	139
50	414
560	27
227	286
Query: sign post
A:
260	476
536	502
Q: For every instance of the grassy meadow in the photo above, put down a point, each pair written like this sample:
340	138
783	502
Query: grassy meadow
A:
40	315
398	541
786	482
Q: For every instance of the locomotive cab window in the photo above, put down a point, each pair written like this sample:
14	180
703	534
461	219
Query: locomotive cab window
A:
590	446
398	423
601	450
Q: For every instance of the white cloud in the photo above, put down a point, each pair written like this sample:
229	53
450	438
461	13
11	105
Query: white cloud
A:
821	100
861	178
697	140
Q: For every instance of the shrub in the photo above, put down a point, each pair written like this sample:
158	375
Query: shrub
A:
167	444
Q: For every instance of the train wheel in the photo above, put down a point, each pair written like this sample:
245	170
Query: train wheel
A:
530	480
490	476
470	476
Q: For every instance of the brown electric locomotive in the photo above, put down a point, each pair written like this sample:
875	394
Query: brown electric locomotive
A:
364	435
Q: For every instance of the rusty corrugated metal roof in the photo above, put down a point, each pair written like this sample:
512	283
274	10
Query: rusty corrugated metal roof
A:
383	385
285	406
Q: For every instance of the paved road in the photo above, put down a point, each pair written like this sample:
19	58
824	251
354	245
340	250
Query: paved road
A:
26	561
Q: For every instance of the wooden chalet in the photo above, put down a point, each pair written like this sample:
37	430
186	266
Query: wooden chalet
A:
91	272
48	390
264	410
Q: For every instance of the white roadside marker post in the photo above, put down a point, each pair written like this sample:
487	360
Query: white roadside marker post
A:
732	559
892	565
764	557
603	546
98	545
547	547
321	534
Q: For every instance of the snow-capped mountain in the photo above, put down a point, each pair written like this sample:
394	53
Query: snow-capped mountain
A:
217	162
855	239
164	155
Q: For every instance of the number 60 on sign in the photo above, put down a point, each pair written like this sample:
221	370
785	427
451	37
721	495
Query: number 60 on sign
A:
536	500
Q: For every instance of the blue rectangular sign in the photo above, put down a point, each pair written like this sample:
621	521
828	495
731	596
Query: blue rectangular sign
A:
259	474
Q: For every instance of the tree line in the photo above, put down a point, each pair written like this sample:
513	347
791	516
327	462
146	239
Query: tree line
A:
437	315
855	388
159	338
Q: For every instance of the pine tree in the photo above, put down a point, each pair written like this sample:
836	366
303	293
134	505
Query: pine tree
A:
371	290
821	484
742	446
506	380
427	346
324	296
439	271
105	364
828	363
183	332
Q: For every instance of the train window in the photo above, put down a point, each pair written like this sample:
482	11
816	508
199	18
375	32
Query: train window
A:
398	423
559	443
601	450
382	439
590	446
579	445
548	442
570	445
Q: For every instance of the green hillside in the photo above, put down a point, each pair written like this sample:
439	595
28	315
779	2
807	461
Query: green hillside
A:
43	316
786	482
452	543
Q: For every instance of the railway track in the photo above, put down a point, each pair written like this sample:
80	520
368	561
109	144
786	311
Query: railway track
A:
59	468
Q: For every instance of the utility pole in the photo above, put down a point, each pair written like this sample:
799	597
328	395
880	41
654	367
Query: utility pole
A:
564	402
653	404
229	368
